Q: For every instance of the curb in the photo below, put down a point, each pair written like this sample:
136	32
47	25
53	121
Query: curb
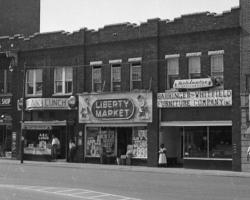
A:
179	171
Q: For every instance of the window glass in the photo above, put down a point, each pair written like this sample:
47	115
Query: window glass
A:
217	69
63	80
172	71
97	78
220	142
194	67
34	82
116	77
68	80
136	76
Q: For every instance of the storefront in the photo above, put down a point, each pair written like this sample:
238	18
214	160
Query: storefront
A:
117	125
196	127
50	117
7	138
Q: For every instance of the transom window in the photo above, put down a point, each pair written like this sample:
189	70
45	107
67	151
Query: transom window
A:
115	77
136	76
63	83
34	82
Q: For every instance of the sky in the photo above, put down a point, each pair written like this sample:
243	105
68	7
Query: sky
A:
72	15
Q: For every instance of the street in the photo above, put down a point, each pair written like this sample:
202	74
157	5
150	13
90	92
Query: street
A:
48	181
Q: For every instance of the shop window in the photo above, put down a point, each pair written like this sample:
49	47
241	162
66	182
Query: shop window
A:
136	76
208	142
217	69
220	142
97	138
194	67
34	82
195	142
115	77
5	81
172	71
96	78
63	80
139	142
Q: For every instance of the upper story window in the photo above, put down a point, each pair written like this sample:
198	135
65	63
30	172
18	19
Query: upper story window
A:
194	65
63	80
172	69
34	82
135	73
5	81
217	67
97	77
115	75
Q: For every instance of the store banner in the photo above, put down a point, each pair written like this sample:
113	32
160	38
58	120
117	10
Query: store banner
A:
213	98
125	107
47	104
193	83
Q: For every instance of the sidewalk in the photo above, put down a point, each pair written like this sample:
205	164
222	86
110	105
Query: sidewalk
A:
129	168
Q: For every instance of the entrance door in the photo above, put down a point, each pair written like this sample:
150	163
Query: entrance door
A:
124	138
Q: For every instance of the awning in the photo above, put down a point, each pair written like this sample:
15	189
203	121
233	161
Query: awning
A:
117	125
197	123
42	125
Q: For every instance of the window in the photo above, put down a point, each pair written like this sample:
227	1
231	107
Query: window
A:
172	71
194	67
5	81
96	78
34	82
136	76
248	83
208	142
116	77
63	81
217	69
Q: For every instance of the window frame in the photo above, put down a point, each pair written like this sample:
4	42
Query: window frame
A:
34	82
220	72
115	65
63	81
6	82
135	64
175	76
93	83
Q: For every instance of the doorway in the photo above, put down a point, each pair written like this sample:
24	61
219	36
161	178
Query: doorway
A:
124	138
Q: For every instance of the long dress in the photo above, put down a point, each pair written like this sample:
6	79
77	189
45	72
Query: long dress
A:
162	156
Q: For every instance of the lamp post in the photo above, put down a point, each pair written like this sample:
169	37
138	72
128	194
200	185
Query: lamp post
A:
22	115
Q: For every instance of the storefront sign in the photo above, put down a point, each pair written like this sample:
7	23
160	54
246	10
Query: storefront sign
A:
5	101
113	109
47	104
103	108
193	83
213	98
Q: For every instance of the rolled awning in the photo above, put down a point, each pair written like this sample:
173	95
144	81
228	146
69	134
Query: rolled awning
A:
42	125
196	123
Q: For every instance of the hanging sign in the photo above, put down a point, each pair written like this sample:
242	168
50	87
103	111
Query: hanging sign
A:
5	101
193	83
212	98
125	107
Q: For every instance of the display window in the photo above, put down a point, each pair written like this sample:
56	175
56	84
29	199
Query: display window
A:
96	138
208	142
116	141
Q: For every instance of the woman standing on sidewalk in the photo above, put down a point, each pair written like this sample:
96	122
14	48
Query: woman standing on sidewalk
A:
162	156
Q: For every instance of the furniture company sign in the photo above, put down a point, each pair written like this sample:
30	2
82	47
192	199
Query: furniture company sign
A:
213	98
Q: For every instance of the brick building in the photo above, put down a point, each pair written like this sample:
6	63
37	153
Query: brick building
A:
133	87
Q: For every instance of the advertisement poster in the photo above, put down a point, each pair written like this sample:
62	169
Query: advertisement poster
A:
139	141
123	107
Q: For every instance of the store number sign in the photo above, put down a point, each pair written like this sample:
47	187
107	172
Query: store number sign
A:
113	109
5	101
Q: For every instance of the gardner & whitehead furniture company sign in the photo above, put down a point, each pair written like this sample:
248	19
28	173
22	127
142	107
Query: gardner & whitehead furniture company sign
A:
123	107
213	98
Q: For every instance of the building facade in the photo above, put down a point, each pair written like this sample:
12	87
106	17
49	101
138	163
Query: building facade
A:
121	91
